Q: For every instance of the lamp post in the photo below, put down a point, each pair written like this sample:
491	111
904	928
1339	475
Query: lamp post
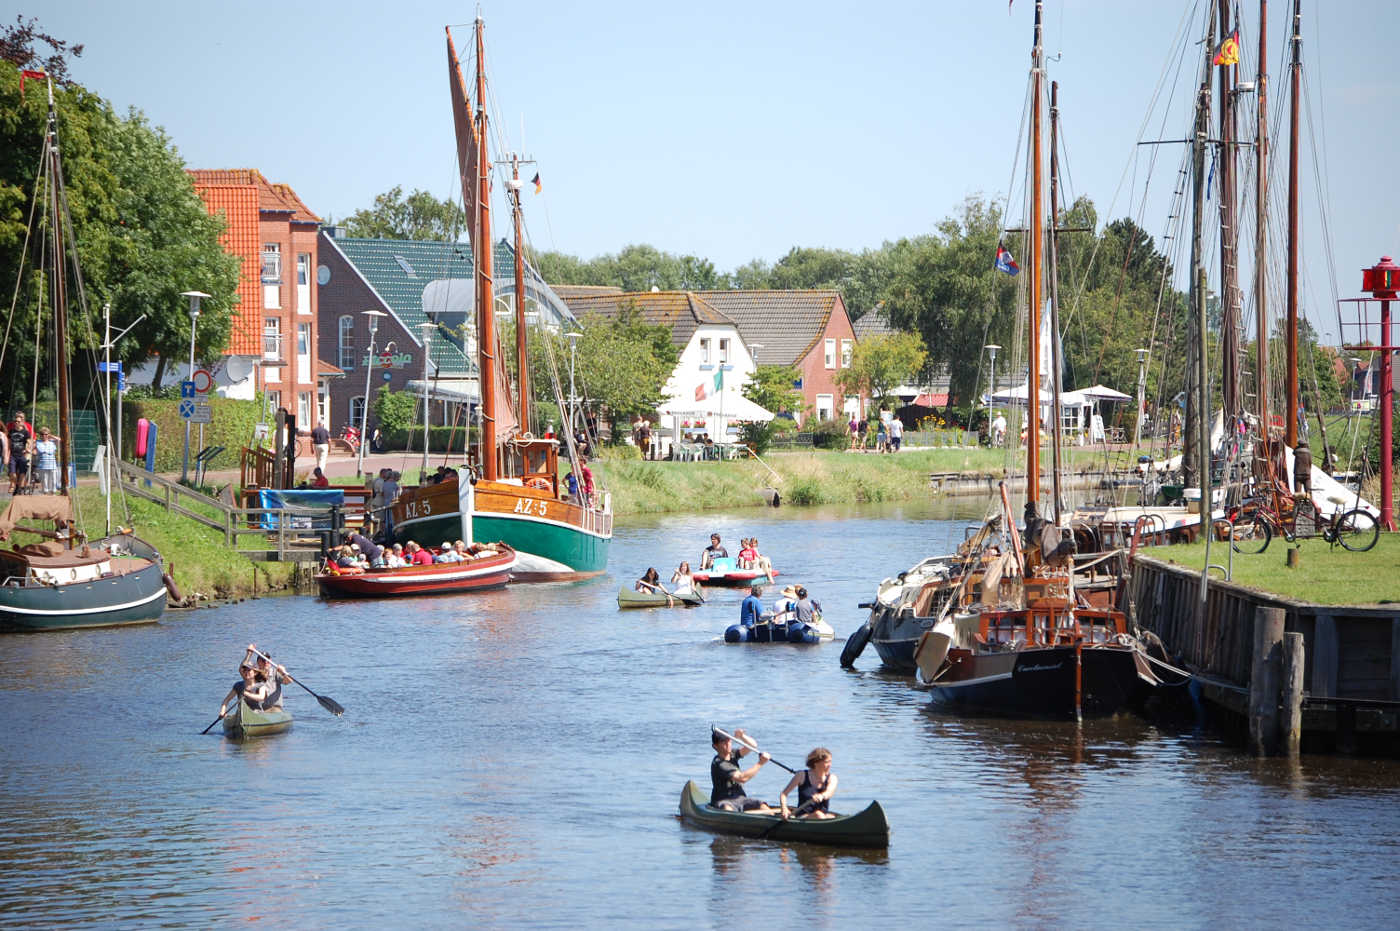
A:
195	297
427	329
373	316
1142	388
573	396
992	350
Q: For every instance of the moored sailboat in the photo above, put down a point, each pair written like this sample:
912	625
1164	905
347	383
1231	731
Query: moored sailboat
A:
512	494
68	581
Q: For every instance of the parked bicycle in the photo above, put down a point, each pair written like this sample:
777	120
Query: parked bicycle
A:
1255	522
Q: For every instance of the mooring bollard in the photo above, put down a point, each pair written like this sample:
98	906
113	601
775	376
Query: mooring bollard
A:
1265	674
1294	558
1292	696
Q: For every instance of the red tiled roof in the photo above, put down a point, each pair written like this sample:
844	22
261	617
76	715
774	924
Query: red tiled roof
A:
239	205
272	198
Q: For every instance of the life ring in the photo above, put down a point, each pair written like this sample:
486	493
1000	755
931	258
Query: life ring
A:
541	483
527	437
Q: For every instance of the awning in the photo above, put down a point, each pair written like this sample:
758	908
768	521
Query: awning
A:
452	390
732	405
1100	393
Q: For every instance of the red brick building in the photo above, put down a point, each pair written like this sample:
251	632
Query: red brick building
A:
272	344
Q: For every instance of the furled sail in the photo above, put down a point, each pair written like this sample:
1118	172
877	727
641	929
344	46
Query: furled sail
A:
467	139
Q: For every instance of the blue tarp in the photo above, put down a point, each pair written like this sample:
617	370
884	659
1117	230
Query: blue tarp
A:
311	507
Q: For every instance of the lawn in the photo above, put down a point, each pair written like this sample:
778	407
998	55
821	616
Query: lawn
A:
1326	575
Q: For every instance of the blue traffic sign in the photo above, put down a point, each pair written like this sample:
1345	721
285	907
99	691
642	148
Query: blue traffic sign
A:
187	407
186	390
109	366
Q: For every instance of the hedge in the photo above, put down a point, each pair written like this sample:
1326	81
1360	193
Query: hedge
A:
232	426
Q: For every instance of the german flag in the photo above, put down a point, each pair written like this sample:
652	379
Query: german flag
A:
536	182
1229	51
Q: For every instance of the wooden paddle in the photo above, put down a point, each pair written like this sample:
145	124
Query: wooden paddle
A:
216	721
330	704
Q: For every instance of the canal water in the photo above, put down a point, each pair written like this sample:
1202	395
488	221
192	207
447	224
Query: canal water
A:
516	758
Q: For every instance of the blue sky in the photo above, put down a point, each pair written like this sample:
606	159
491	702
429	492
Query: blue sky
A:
728	130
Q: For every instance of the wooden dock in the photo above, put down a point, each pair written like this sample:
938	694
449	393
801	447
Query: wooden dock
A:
1350	654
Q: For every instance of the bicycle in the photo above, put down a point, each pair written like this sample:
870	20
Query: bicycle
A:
1255	522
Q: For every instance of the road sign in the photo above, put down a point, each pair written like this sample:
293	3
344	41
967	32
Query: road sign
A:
186	390
203	381
109	366
186	408
202	413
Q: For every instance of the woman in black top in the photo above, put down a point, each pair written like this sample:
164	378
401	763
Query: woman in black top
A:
815	786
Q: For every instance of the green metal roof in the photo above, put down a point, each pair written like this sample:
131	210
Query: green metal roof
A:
413	277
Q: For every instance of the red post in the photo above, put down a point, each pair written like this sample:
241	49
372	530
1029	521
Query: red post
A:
1383	281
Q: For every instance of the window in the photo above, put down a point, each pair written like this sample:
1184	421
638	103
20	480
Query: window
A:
274	400
845	353
723	351
831	353
408	269
303	268
825	404
303	339
704	352
304	407
272	338
357	411
272	263
346	350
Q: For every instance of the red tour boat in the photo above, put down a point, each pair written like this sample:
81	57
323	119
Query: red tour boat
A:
488	569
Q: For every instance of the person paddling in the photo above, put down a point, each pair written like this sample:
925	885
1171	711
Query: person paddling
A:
272	675
815	786
727	778
751	610
247	688
651	582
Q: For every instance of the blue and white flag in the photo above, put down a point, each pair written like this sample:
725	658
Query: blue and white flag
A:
1005	263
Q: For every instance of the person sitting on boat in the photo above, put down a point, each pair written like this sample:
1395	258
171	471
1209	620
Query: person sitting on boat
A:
751	610
446	553
760	561
270	675
651	582
394	557
748	556
805	609
318	479
712	552
684	582
815	786
247	688
727	778
416	555
785	606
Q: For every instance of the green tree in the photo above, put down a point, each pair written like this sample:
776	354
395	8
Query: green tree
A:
395	411
143	234
623	364
419	216
773	388
879	363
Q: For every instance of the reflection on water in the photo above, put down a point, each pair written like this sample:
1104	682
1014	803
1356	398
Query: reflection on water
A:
516	757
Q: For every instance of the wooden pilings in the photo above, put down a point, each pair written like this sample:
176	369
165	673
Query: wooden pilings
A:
1275	686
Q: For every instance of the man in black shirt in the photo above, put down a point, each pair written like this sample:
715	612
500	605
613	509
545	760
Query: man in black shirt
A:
321	444
727	778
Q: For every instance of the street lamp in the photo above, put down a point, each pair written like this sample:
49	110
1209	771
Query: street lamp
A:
1142	387
195	297
573	336
427	329
373	316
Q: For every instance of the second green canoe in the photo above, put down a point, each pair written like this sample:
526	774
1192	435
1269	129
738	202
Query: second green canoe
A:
627	598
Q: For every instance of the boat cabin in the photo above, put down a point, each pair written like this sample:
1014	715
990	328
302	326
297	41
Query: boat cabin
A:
51	563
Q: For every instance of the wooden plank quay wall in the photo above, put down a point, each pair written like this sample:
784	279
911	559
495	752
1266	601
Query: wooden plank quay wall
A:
1351	677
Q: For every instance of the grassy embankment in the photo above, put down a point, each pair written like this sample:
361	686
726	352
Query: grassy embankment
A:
1325	575
202	562
806	477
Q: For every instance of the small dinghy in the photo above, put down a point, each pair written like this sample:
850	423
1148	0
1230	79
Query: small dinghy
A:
866	828
628	598
725	571
767	631
244	722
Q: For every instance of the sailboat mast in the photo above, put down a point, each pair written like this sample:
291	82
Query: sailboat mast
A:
60	293
1057	426
521	368
485	293
1033	358
1229	238
1291	330
1261	236
1195	464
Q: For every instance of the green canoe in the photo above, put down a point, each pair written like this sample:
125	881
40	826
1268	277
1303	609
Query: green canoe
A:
243	722
866	828
627	598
